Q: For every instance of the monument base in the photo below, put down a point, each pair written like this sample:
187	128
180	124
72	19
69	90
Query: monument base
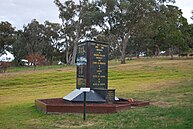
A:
92	96
58	105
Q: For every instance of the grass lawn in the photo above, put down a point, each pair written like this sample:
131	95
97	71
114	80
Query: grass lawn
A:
167	84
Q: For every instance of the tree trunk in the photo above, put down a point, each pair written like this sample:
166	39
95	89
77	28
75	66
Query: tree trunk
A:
51	60
75	45
171	53
137	54
157	53
67	59
172	57
123	56
74	52
34	63
122	49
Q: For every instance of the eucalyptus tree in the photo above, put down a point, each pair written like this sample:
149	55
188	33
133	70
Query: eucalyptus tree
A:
123	17
34	37
19	47
187	35
78	20
122	22
142	39
160	21
190	33
38	39
68	12
7	36
174	36
169	29
53	37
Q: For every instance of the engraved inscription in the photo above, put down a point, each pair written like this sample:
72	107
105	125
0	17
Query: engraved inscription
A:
81	62
99	68
92	65
110	97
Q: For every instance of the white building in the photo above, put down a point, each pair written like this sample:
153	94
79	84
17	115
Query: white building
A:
7	57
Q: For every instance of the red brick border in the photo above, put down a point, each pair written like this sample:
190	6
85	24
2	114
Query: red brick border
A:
58	105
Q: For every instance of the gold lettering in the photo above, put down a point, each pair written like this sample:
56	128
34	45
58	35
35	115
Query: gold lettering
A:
102	84
99	84
99	50
95	62
80	80
99	76
99	55
96	54
99	58
81	76
102	63
99	71
99	63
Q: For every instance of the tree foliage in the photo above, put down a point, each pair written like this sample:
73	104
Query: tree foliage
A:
78	21
36	59
6	36
131	27
42	39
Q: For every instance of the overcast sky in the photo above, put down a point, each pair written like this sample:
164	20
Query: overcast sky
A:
20	12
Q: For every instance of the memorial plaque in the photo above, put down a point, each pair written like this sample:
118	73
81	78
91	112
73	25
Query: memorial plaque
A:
110	96
81	62
99	65
107	94
92	65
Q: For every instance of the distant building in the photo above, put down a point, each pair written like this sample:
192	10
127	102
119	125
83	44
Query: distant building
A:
7	57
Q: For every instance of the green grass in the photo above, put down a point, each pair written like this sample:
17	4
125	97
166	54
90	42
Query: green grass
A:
167	84
31	68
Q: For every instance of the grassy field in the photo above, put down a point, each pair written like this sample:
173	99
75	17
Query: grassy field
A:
167	84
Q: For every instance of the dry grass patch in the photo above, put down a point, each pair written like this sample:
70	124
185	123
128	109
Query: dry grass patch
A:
163	104
74	124
29	72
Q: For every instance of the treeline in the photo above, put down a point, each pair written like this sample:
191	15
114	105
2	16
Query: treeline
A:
131	27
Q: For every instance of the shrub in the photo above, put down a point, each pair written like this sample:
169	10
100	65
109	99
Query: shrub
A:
4	66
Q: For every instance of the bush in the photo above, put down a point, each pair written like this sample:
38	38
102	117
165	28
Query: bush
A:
4	66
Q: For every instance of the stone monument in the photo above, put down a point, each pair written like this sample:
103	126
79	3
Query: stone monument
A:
92	72
91	86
